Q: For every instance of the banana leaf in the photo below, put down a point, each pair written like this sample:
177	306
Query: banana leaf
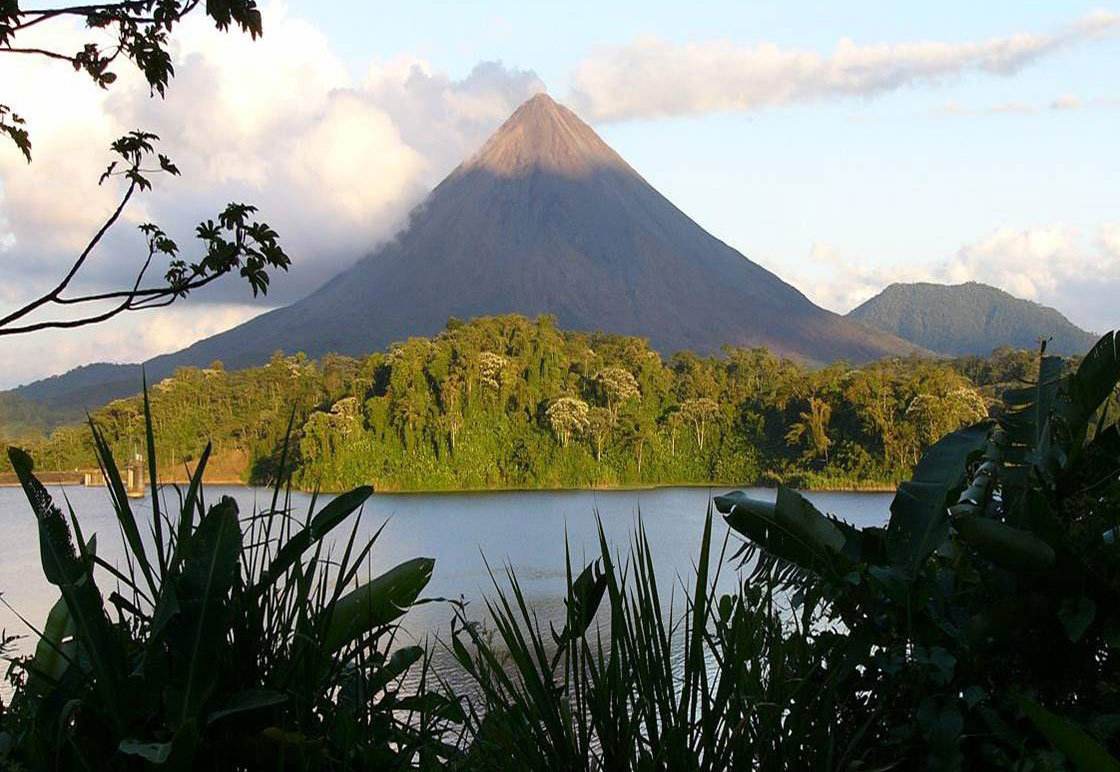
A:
791	529
65	568
1074	742
195	632
328	518
374	604
919	521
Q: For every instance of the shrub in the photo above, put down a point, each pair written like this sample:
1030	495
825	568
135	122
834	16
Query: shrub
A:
985	618
229	644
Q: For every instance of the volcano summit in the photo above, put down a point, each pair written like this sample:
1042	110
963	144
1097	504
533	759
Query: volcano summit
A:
547	219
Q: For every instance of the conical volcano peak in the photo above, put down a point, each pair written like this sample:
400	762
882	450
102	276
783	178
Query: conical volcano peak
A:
542	134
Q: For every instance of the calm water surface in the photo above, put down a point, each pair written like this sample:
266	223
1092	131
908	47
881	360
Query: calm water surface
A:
524	530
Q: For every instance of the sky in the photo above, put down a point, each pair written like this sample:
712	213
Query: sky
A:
842	146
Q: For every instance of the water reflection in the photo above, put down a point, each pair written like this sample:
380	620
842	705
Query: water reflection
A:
525	531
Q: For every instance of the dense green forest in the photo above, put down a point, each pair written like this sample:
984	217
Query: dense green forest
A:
513	402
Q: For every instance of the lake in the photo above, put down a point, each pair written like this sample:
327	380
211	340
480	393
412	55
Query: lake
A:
525	530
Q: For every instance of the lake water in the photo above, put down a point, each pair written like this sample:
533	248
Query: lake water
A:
524	530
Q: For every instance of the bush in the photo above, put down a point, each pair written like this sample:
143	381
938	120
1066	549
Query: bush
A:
985	618
233	644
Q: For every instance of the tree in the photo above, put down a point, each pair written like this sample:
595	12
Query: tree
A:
615	385
600	422
567	416
673	421
636	434
451	415
232	241
491	369
935	416
814	425
700	412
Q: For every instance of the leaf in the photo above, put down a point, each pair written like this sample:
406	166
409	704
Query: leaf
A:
1078	746
186	515
197	632
375	604
330	516
1093	382
65	569
585	595
156	753
791	528
400	661
1076	614
57	647
919	512
1004	545
246	701
157	520
121	507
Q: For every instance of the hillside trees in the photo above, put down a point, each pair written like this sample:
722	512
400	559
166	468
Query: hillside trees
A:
508	401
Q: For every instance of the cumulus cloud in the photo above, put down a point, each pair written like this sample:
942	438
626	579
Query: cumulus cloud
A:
333	161
122	339
654	78
1062	266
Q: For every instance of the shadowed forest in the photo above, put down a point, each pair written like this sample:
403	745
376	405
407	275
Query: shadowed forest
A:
508	402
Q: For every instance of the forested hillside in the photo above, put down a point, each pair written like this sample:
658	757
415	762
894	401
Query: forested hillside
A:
970	318
512	402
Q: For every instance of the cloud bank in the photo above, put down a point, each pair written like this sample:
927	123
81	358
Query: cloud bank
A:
652	78
334	162
1058	265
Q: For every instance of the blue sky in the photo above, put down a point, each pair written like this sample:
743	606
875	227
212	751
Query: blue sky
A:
887	179
843	146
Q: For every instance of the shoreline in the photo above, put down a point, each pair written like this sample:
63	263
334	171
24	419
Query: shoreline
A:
870	488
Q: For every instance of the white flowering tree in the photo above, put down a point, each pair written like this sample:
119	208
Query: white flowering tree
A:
567	417
701	413
616	385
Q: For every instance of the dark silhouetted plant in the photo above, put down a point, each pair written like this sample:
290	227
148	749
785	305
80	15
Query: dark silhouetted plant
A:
719	682
229	643
993	591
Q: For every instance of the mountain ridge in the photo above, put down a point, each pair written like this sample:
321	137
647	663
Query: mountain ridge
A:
969	318
546	218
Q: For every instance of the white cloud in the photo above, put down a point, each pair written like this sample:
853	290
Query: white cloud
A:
333	162
130	338
653	78
1063	103
1057	265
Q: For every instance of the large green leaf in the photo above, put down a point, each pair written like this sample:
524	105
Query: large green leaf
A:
1093	382
791	528
919	521
1078	746
247	701
328	518
57	646
123	509
65	568
157	519
376	603
1004	545
186	514
197	633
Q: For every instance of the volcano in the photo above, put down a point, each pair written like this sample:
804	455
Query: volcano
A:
547	219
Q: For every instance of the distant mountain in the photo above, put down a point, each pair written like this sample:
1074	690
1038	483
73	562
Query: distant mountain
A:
969	318
83	388
547	219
